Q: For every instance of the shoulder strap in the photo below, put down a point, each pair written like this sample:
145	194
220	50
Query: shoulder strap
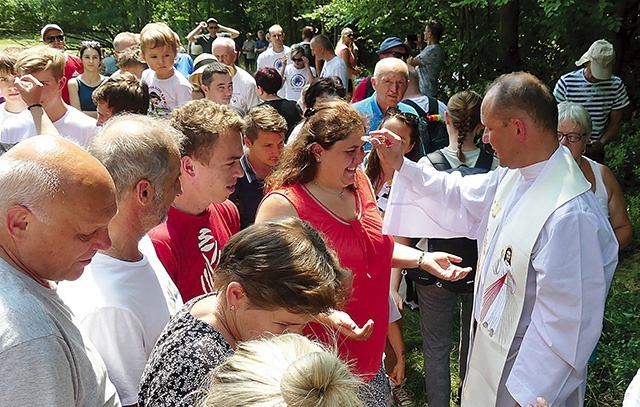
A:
439	161
485	160
414	105
433	105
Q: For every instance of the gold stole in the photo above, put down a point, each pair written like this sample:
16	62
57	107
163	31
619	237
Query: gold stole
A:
506	277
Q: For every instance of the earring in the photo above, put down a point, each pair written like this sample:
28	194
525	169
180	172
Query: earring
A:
318	159
232	308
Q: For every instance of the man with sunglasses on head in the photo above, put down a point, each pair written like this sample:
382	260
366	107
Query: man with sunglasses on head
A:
213	28
53	36
392	47
390	80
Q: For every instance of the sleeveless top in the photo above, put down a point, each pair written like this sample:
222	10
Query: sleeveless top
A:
84	93
363	249
601	189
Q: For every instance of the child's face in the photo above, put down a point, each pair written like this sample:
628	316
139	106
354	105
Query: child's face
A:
160	60
9	91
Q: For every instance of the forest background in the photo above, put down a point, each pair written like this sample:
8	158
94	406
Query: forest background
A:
482	40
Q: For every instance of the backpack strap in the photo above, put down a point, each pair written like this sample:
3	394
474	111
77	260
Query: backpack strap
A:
439	161
419	110
485	160
433	105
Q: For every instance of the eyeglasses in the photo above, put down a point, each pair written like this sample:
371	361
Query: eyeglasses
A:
396	54
296	59
571	137
394	111
54	38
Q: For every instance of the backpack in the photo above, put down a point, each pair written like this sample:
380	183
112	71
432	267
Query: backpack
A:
461	246
433	133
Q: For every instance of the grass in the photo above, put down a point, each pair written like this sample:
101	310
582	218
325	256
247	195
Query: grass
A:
618	356
19	41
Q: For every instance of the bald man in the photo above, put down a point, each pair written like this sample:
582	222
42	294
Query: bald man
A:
390	80
548	253
56	203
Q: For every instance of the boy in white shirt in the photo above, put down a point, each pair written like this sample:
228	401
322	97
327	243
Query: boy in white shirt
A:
167	90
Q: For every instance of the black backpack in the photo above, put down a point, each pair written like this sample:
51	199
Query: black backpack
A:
433	133
461	246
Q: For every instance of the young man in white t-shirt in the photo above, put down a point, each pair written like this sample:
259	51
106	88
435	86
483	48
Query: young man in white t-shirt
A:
46	64
333	65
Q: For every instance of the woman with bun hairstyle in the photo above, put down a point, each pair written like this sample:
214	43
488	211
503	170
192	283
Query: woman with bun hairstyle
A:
286	370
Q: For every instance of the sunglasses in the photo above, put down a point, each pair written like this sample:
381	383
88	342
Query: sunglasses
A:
394	111
54	38
213	27
396	54
296	59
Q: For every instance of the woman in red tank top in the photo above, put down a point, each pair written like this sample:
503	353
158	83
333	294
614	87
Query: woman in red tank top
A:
319	180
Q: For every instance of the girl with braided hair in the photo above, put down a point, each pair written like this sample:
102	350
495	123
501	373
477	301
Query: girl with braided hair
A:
437	303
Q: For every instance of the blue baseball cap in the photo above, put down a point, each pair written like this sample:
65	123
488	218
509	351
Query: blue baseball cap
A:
391	42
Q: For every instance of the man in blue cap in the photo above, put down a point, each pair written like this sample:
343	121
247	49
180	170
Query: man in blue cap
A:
392	47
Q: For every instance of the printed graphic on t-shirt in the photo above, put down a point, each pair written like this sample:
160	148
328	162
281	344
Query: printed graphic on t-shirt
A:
158	102
297	82
210	251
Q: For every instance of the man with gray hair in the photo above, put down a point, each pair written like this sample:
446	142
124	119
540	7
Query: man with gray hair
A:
297	75
390	80
125	296
244	95
56	203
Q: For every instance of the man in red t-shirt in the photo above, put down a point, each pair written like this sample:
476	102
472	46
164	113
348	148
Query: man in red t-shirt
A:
53	36
201	219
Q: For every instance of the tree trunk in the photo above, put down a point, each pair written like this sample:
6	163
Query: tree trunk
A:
508	52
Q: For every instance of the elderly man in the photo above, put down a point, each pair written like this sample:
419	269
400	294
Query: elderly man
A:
202	219
539	301
390	80
125	296
53	36
46	65
392	47
55	206
322	49
600	92
244	95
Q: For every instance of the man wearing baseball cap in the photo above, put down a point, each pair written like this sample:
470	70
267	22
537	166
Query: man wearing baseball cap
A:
53	36
213	29
600	92
392	47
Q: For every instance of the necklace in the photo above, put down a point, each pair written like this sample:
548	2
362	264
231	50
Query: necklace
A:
339	195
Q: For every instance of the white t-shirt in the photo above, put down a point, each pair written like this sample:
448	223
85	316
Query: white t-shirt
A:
245	95
5	114
295	80
166	94
272	59
335	67
73	125
123	307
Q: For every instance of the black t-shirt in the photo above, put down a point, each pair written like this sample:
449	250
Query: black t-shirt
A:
289	110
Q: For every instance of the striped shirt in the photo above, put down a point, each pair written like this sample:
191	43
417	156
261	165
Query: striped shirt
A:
598	98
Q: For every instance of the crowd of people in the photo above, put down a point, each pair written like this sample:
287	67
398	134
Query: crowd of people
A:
187	232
